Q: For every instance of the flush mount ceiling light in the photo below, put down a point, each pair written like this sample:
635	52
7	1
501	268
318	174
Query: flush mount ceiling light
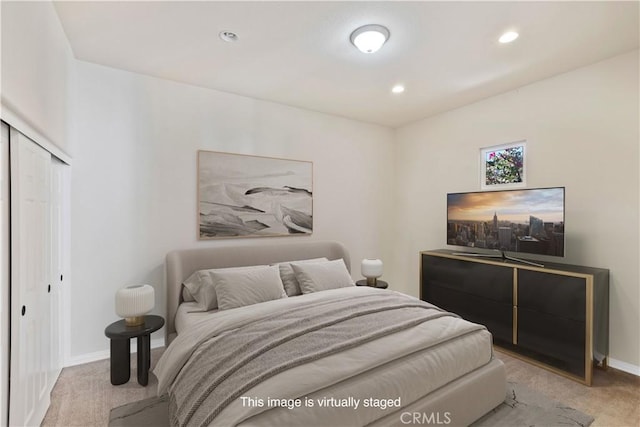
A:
228	36
397	89
369	38
508	37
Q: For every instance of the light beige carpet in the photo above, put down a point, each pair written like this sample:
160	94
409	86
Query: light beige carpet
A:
522	407
83	395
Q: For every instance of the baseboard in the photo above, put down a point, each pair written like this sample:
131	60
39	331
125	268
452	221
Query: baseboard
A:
104	354
624	366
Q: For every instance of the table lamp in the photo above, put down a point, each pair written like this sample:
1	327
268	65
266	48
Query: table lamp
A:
133	302
371	269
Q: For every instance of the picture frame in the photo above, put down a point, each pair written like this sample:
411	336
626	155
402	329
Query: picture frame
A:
503	166
242	195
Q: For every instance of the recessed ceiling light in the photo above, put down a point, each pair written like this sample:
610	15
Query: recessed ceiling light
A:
228	36
370	38
397	89
508	37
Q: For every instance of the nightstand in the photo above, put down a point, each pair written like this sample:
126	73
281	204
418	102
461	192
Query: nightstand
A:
120	334
381	284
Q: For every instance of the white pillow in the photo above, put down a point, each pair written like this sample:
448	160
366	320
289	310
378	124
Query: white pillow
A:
288	276
200	285
240	288
322	276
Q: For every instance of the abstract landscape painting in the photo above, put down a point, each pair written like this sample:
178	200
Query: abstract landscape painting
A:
251	196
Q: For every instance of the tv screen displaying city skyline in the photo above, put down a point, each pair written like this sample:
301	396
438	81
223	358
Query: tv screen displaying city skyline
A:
525	221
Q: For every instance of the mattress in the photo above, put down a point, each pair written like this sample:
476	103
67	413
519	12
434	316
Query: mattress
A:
397	369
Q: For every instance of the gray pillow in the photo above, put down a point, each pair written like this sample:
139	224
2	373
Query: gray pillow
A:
202	288
240	288
186	295
288	276
322	276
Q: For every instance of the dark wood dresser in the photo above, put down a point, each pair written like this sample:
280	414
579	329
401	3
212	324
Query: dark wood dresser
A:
556	317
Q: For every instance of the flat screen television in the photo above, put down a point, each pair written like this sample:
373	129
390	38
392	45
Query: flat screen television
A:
528	221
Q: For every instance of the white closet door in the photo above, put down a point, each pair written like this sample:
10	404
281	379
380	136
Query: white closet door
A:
4	273
58	180
30	280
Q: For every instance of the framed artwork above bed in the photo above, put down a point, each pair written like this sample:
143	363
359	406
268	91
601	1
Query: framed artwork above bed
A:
251	196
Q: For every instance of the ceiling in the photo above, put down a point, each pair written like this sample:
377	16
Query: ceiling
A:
299	54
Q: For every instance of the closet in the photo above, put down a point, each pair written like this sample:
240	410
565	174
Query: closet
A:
34	255
4	272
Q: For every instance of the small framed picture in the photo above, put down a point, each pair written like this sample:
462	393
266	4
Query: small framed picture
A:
503	166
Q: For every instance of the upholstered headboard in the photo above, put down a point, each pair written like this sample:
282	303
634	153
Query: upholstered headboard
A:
181	264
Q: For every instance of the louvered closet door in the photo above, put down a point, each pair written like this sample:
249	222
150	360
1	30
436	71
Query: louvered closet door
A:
30	280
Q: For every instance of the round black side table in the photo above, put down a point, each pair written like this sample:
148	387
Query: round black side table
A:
119	334
380	284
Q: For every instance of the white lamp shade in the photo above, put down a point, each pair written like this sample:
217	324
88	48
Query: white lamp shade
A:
134	300
371	268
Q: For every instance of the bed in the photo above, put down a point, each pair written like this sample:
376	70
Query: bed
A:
337	356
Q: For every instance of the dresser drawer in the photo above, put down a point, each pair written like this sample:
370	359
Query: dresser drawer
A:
555	294
496	316
488	281
560	341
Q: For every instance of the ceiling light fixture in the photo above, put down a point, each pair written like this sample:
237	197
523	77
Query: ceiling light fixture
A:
228	36
370	38
397	89
508	37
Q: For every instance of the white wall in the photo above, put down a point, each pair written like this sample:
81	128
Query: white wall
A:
134	181
37	72
582	132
